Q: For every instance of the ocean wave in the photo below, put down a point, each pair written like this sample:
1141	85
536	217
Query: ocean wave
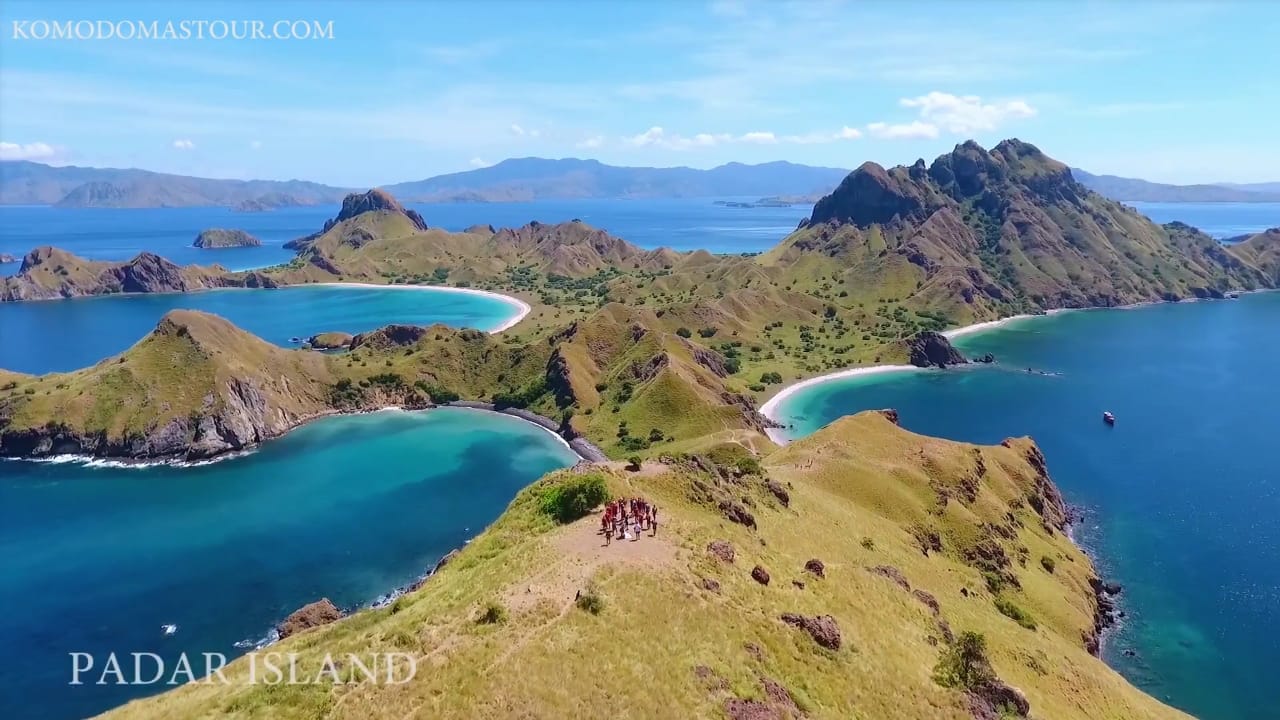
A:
92	461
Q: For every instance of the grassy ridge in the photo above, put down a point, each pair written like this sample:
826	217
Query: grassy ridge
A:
661	643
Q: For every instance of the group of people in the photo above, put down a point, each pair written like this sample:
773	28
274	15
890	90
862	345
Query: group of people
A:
627	518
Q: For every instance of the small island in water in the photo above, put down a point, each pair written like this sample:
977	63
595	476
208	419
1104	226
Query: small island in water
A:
217	238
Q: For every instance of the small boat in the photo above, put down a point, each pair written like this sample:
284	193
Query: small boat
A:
169	629
1108	418
295	339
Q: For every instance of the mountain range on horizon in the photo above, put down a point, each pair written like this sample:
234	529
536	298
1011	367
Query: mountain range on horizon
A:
512	180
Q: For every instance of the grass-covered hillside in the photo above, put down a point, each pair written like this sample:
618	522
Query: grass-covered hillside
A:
907	577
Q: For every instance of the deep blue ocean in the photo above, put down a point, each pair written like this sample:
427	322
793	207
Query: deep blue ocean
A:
1181	494
96	559
90	329
111	234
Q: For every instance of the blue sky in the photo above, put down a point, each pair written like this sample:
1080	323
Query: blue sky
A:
405	90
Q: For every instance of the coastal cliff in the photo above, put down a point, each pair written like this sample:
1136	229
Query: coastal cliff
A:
48	273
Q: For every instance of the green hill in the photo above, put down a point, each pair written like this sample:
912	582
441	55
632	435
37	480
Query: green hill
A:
855	619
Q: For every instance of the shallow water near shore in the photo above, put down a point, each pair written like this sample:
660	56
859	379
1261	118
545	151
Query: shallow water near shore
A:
98	559
1181	495
61	335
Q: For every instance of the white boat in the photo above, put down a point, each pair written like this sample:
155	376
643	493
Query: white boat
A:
169	629
1108	418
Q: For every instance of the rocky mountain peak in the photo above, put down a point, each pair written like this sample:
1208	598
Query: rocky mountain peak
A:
376	200
871	195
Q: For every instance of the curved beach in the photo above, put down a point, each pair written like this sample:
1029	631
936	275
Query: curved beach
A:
523	308
771	407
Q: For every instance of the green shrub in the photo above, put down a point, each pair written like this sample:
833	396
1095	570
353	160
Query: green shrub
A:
684	332
868	543
707	332
964	664
574	498
437	393
1048	563
1015	613
590	601
493	614
634	461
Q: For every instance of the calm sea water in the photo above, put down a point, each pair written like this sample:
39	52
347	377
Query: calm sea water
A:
59	335
1221	220
1182	494
110	234
98	559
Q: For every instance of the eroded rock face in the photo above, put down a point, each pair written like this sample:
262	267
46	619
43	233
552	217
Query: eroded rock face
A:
822	628
373	201
931	349
320	612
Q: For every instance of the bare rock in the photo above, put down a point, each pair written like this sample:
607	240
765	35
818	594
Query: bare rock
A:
779	492
739	709
711	585
816	567
822	628
760	575
320	612
893	574
722	550
737	513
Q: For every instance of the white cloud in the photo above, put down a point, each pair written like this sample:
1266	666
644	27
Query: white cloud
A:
656	136
255	145
183	144
911	130
479	163
519	131
30	151
966	114
590	143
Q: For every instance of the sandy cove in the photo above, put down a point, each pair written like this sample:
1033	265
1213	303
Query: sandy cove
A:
773	404
521	306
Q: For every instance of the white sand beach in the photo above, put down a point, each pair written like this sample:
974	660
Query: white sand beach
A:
771	407
520	305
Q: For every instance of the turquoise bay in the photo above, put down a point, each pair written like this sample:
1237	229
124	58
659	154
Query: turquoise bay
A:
98	559
1181	495
60	335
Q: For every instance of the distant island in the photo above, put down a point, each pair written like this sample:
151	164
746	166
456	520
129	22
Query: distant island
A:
217	238
775	201
270	201
777	184
1133	189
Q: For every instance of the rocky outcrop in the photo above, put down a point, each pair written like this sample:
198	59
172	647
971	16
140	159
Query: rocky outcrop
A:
330	341
320	612
760	575
822	628
216	238
6	258
932	349
1105	614
721	550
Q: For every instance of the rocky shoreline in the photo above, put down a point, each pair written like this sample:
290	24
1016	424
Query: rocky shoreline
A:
218	437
